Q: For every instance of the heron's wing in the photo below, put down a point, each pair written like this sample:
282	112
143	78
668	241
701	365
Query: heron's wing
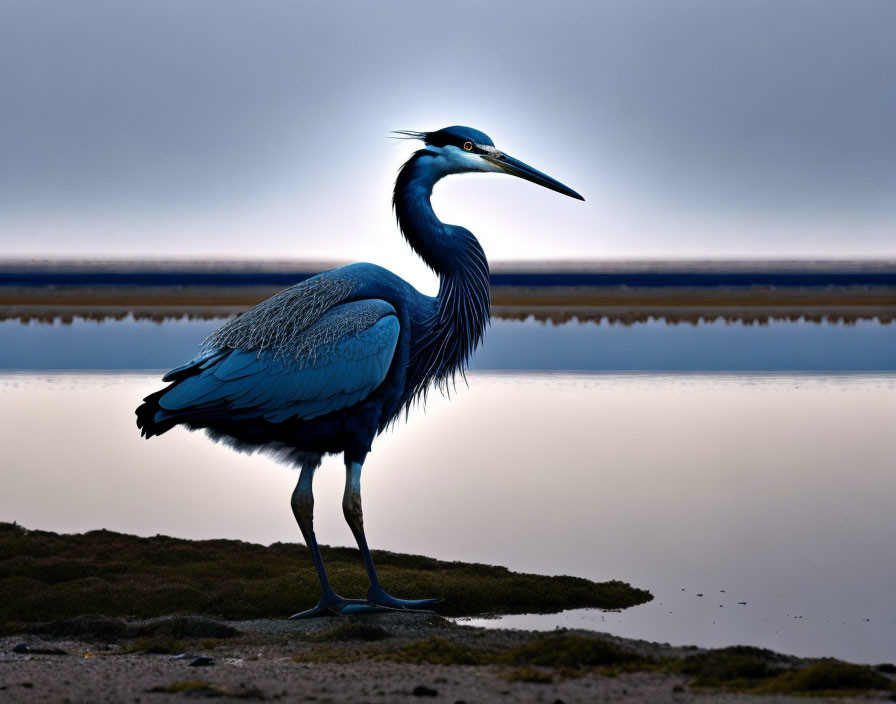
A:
278	322
332	364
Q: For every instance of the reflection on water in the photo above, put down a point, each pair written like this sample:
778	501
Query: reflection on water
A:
774	490
866	345
622	314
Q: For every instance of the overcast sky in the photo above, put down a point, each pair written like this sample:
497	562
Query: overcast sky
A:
215	128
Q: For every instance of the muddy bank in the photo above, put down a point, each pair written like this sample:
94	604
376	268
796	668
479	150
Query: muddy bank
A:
45	576
397	657
143	641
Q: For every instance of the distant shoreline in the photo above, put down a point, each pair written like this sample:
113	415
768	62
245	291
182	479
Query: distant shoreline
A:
549	304
627	292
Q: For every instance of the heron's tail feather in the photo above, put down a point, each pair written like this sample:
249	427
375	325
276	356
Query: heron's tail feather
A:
152	419
148	416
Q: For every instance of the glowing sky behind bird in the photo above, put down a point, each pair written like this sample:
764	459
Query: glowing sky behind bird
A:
244	129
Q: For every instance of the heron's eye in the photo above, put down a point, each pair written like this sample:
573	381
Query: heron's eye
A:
468	146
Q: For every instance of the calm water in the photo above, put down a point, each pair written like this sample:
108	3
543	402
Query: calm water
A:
773	489
530	345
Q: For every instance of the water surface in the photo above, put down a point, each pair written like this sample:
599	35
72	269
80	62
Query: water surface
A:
865	345
770	489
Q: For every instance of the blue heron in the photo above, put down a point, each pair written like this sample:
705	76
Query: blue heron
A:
325	366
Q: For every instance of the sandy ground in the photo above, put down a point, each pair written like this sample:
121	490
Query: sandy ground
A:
264	663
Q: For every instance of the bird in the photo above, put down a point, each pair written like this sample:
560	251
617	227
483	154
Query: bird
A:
325	366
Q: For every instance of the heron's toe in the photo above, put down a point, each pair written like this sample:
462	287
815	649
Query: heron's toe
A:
316	612
331	607
379	597
365	608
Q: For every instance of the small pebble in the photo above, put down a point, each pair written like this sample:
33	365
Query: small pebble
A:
20	648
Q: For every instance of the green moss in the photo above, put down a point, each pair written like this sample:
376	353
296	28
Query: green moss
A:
440	651
9	628
528	674
194	686
737	667
171	635
47	576
830	677
157	645
108	629
571	655
210	643
569	652
350	631
747	669
182	626
88	626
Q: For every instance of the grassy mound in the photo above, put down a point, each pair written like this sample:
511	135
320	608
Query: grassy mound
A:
46	576
747	669
550	657
569	653
829	677
572	652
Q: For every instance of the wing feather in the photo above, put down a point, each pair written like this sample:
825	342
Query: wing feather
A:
235	365
342	359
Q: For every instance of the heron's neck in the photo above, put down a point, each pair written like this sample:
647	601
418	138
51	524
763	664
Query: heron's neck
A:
455	254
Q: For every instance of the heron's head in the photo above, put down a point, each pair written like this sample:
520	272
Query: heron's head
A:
459	149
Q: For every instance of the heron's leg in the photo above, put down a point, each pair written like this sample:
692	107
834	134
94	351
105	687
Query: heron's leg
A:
303	509
354	516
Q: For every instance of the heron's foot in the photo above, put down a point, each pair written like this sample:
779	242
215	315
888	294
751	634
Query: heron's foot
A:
376	596
334	606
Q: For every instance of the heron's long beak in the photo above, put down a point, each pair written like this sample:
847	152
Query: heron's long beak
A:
515	167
